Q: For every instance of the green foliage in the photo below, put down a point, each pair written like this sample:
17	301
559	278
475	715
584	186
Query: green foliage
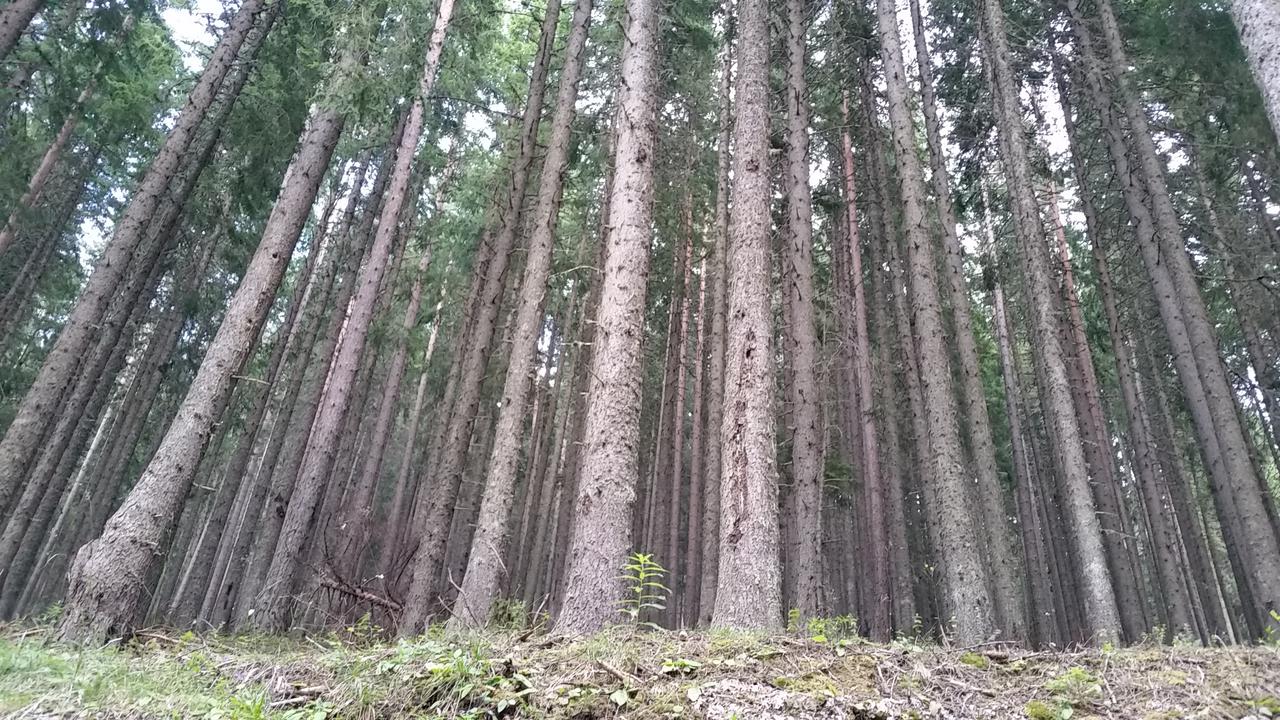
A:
1269	634
1076	687
974	660
645	590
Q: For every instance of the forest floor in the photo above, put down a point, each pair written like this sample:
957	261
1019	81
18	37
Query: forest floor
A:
622	673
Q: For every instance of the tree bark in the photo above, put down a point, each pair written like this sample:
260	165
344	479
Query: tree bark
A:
15	16
1258	22
483	575
803	571
607	477
715	358
57	374
749	592
1097	590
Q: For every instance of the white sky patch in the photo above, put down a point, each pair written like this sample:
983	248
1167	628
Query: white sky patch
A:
189	27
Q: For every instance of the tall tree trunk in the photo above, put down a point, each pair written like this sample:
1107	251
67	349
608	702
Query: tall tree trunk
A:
1006	566
675	495
318	458
1097	592
715	359
803	571
57	374
1096	438
448	469
1163	526
105	588
192	587
400	501
49	161
749	592
261	510
608	474
876	486
966	577
483	575
353	525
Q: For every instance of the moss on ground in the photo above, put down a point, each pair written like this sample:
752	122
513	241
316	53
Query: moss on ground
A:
621	673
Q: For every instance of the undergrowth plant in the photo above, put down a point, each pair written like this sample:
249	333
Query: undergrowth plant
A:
645	590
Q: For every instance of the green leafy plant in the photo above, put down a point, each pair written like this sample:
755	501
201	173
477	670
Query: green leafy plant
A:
1269	634
1076	687
645	590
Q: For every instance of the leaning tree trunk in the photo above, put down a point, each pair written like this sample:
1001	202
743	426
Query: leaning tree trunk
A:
1099	599
107	584
14	19
965	575
483	575
1238	490
607	478
749	592
318	458
451	465
57	374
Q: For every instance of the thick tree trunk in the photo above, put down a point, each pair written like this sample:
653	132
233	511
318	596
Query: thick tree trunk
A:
749	592
607	478
1258	22
15	16
105	590
1001	550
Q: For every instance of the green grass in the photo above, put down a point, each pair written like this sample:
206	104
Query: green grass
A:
625	672
61	680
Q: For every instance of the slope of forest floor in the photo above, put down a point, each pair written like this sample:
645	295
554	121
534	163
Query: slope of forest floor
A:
622	673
